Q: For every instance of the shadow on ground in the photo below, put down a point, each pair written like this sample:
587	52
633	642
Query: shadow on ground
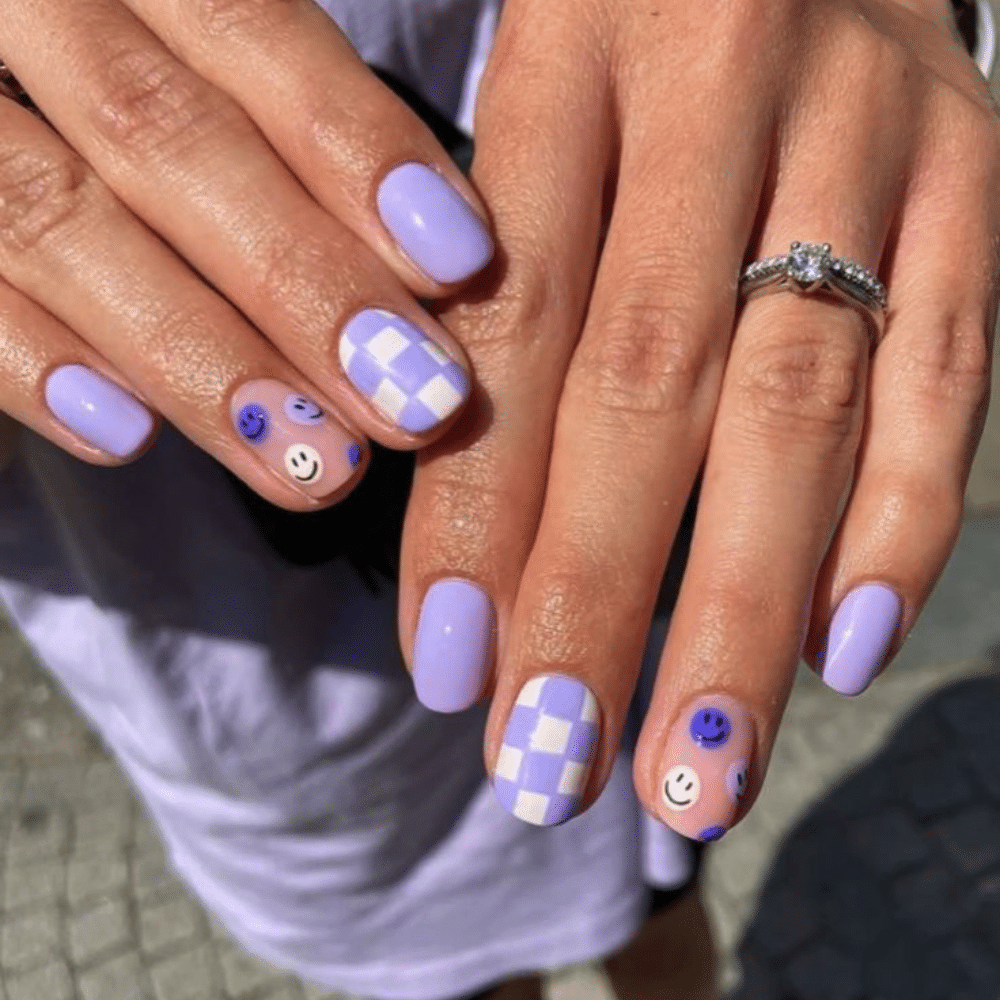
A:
889	889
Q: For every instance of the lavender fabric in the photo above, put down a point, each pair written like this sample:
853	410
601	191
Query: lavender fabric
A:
337	828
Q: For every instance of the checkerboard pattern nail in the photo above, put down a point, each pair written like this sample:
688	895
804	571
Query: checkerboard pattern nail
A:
548	747
401	370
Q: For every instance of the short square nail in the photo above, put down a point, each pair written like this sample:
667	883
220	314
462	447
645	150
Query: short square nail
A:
861	632
303	444
401	371
98	410
706	767
453	645
433	224
548	749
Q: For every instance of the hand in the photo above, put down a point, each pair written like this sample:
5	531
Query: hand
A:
614	368
228	202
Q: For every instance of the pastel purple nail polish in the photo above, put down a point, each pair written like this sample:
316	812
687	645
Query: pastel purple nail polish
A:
453	645
101	412
401	371
860	634
548	748
433	224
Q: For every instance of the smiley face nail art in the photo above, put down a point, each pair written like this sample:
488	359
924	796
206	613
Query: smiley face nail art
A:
706	769
295	437
301	410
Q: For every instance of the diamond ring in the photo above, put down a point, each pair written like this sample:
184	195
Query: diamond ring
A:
810	268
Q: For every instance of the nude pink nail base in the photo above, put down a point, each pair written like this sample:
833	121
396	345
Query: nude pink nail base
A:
293	435
706	767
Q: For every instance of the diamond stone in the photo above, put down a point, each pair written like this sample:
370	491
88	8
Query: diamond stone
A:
808	262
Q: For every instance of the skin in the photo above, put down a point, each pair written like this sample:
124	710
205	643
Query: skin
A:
610	369
613	368
187	233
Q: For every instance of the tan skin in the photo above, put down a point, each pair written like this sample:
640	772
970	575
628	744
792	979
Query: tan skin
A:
134	239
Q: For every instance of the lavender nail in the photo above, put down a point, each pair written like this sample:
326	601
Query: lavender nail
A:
451	652
97	409
400	370
435	226
548	748
860	634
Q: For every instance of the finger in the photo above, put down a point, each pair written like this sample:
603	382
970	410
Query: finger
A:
185	158
929	388
361	152
474	508
54	383
189	354
633	418
780	456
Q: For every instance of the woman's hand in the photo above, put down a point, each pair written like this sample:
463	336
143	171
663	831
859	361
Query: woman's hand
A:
615	367
227	224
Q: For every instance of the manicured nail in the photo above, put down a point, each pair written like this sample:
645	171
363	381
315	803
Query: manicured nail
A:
435	226
101	412
548	748
453	645
860	635
706	767
401	371
303	444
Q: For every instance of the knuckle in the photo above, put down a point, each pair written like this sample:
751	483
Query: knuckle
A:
562	626
521	313
219	18
292	278
39	193
807	384
461	512
649	357
151	105
950	366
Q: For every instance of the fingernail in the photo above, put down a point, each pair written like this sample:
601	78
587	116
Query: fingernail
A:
433	224
453	645
548	748
706	767
101	412
295	437
860	635
401	371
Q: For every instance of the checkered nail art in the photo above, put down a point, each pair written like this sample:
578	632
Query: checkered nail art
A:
401	371
548	747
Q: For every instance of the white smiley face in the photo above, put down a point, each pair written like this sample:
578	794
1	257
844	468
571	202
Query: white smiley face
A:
302	410
304	463
681	787
737	779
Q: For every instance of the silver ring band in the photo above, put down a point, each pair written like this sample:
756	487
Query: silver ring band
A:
811	268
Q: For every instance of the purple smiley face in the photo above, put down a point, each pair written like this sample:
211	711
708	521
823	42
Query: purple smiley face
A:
301	410
253	422
711	728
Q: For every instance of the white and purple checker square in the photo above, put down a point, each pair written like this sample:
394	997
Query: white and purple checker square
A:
548	747
401	370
